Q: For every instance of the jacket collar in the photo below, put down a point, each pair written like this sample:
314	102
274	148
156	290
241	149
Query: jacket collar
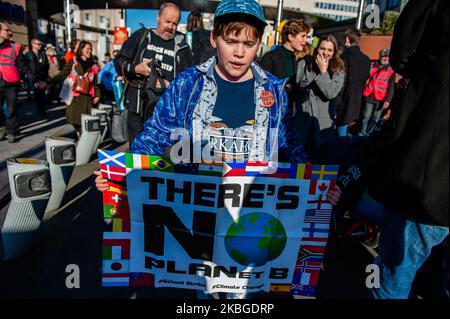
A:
353	48
207	69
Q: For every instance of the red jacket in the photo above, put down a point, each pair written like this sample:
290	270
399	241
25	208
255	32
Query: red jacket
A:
8	62
378	82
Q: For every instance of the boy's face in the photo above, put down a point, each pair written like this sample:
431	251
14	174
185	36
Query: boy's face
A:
298	41
235	54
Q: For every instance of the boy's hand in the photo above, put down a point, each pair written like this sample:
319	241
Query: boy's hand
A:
334	194
101	183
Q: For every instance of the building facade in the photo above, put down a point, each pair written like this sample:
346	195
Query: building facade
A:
95	26
14	12
337	10
333	9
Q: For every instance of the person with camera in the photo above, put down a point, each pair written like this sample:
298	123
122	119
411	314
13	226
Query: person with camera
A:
149	60
85	91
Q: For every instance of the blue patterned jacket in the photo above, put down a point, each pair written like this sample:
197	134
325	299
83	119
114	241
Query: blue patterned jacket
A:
189	102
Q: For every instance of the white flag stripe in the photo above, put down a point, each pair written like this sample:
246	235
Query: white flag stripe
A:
280	165
313	243
116	252
107	171
116	279
210	168
125	266
137	163
259	169
304	280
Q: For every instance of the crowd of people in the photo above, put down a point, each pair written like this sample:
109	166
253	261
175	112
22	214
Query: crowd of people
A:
41	72
216	87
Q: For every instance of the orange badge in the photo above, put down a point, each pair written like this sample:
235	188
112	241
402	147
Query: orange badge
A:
267	99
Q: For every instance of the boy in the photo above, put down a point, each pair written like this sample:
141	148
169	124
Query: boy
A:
228	104
228	98
282	60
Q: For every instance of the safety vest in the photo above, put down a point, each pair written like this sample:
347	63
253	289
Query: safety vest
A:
378	82
90	75
8	57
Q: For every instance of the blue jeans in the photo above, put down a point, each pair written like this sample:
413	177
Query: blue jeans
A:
404	246
342	130
371	114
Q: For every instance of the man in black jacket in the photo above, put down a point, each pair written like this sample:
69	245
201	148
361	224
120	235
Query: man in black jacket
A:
357	66
411	176
281	61
37	71
162	46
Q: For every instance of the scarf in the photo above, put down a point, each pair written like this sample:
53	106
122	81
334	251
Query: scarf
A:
85	65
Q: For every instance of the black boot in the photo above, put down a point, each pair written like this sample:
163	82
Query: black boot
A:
11	138
2	133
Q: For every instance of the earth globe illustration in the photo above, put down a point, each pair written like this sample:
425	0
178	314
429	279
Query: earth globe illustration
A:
255	239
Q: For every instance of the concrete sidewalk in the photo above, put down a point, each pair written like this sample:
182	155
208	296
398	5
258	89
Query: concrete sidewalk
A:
33	129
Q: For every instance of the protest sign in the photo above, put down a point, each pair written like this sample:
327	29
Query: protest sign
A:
231	228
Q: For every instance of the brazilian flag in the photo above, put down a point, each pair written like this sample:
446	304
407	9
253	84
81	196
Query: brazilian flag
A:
161	164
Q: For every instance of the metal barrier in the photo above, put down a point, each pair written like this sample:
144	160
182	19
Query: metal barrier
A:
90	133
61	157
30	187
109	111
103	115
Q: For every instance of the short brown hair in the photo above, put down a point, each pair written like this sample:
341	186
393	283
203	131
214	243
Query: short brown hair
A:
294	27
353	35
232	25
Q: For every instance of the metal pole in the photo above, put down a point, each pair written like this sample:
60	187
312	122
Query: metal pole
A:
403	4
360	15
68	21
279	17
